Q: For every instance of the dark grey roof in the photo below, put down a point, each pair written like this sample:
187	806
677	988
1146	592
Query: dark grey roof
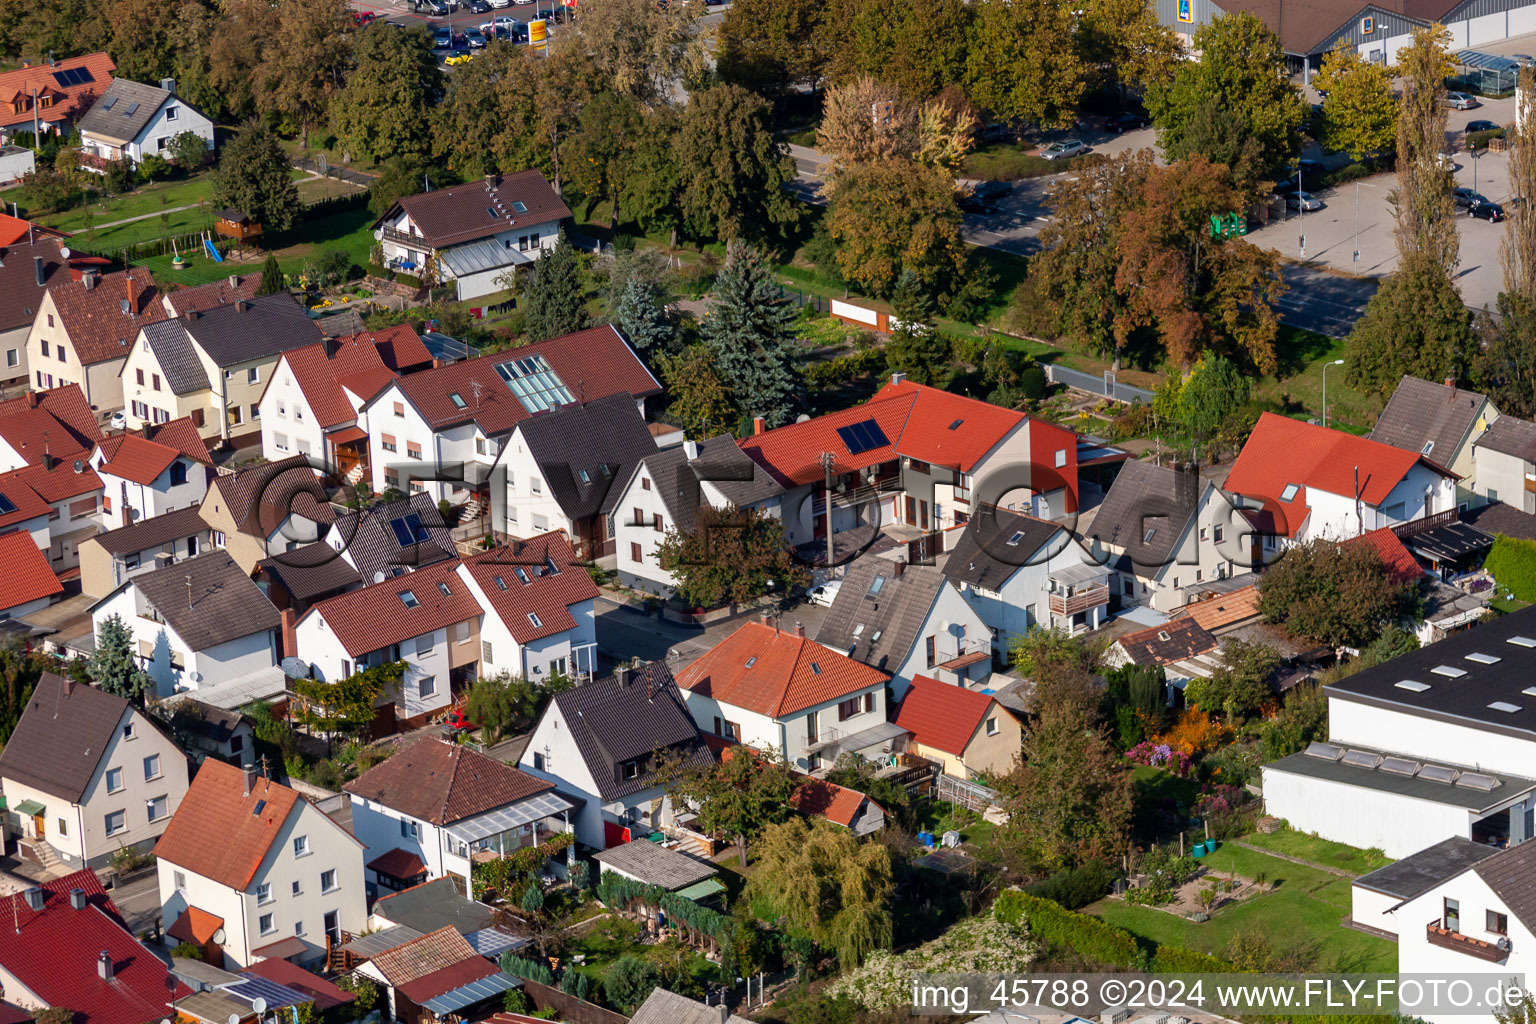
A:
654	864
154	531
371	540
1510	436
1147	497
986	554
63	732
1462	699
891	618
1508	788
223	603
587	451
311	571
1511	874
721	463
123	110
664	1007
339	325
248	331
178	360
433	905
207	721
1496	518
1418	873
1422	412
1449	541
625	717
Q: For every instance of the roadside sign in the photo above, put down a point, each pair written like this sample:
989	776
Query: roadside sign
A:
538	32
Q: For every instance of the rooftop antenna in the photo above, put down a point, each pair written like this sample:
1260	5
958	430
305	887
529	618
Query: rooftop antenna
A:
474	386
188	578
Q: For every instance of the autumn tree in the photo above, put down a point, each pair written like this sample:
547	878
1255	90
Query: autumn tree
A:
888	216
1019	64
1359	111
731	555
867	120
385	107
236	51
750	330
303	64
772	47
639	47
737	797
1335	594
255	177
1423	204
1517	251
919	46
698	397
732	168
482	127
1121	45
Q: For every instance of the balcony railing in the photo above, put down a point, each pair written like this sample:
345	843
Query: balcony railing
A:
967	652
1414	527
396	235
1080	600
1439	935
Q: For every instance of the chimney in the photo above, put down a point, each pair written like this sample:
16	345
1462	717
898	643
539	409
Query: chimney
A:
132	305
690	450
725	1013
169	85
289	637
88	278
242	306
38	270
32	399
1450	382
77	899
35	898
251	774
192	315
490	180
897	378
759	426
104	966
766	619
901	567
799	629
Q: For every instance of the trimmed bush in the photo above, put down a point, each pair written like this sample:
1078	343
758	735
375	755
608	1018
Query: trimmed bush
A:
1513	564
1055	925
1076	887
832	372
1479	140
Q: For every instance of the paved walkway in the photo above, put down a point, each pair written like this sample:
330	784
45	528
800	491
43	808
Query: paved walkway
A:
1294	860
146	216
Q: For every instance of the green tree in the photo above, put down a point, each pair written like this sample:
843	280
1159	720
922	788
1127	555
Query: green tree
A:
1214	390
554	296
733	170
1041	651
1359	113
698	397
1242	71
1517	252
113	665
1017	66
1505	366
628	981
641	316
1335	594
919	46
482	127
772	47
638	47
403	176
916	347
732	555
303	63
272	280
1122	44
739	796
892	215
596	154
365	991
255	177
384	108
189	150
1424	208
516	1001
496	703
346	706
1241	685
533	899
1416	323
750	329
825	886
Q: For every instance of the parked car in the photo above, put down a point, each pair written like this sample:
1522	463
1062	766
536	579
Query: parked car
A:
119	420
1466	197
474	39
478	7
1446	162
971	204
1306	202
1129	121
442	38
437	7
826	593
1461	101
361	18
1064	150
458	57
499	4
1284	188
988	190
1482	126
1491	212
456	722
1311	169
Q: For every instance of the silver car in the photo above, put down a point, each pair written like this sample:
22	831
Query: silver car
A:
1306	202
1064	150
1460	100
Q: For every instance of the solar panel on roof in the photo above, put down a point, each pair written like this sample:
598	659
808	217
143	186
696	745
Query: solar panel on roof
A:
408	530
535	383
862	436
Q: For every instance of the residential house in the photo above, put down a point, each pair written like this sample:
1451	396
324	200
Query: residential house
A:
68	946
1167	533
200	626
427	906
666	491
147	475
296	580
665	1007
1181	647
27	267
51	95
208	731
313	401
437	808
226	291
267	509
214	365
476	234
600	742
54	504
429	619
262	862
392	537
28	584
1439	421
1504	463
433	976
1298	482
1019	572
540	617
132	121
966	731
564	471
776	690
108	559
442	431
1376	897
84	330
57	423
907	620
87	774
840	805
1437	742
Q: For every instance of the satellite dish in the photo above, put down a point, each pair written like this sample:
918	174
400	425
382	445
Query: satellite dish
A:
259	1005
218	937
66	254
234	1018
133	513
195	676
79	466
297	668
378	577
803	418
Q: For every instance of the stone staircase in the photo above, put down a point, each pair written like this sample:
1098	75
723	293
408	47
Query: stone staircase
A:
471	510
355	474
42	854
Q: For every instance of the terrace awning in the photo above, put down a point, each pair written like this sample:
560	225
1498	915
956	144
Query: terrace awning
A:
505	819
469	995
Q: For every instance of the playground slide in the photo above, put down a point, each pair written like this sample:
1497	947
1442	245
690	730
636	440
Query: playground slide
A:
213	251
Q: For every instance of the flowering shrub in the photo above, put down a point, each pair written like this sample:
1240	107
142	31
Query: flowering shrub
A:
1195	732
1228	810
982	945
1160	755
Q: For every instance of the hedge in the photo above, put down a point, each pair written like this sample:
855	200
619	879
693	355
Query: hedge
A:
1513	564
843	369
1055	925
528	970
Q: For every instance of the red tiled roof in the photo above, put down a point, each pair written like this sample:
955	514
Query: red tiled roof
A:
942	716
376	616
549	595
829	800
1400	563
14	229
355	366
594	364
326	995
53	953
215	807
203	297
65	100
1173	641
27	576
423	957
947	429
132	458
195	926
1282	451
58	421
441	783
98	326
59	482
792	453
28	504
181	435
446	979
788	673
400	347
398	864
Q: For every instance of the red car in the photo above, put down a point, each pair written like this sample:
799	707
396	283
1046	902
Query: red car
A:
455	722
361	18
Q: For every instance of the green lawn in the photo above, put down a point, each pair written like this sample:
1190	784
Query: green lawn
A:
1320	851
1302	910
147	199
348	230
1010	162
1298	384
1505	605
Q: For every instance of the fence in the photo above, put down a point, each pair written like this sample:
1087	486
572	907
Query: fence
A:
971	795
1105	386
568	1008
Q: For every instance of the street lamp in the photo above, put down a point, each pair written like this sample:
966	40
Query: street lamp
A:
1356	260
1336	362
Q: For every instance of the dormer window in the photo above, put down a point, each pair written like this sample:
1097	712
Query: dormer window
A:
629	770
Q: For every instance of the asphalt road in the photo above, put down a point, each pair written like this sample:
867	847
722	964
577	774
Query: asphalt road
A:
138	901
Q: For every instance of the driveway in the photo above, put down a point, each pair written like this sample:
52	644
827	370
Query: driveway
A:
139	901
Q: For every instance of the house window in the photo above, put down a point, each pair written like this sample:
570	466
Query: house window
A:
1452	919
297	889
44	346
932	646
409	599
114	780
540	523
236	415
328	880
424	644
131	561
485	651
869	703
265	923
535	485
180	880
50	324
461	632
151	767
1061	457
170	113
533	617
117	821
479	446
645	483
139	376
13	357
253	375
629	770
992	726
301	846
141	410
156	378
387	442
656	521
399	408
412	450
298	927
427	687
639	519
128	731
409	830
538	762
264	894
178	473
847	709
63	827
1498	923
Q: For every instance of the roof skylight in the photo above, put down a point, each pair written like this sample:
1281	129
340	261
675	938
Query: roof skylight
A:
1411	684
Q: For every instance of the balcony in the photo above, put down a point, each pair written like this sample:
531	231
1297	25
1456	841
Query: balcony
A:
1439	935
966	654
405	238
1079	599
